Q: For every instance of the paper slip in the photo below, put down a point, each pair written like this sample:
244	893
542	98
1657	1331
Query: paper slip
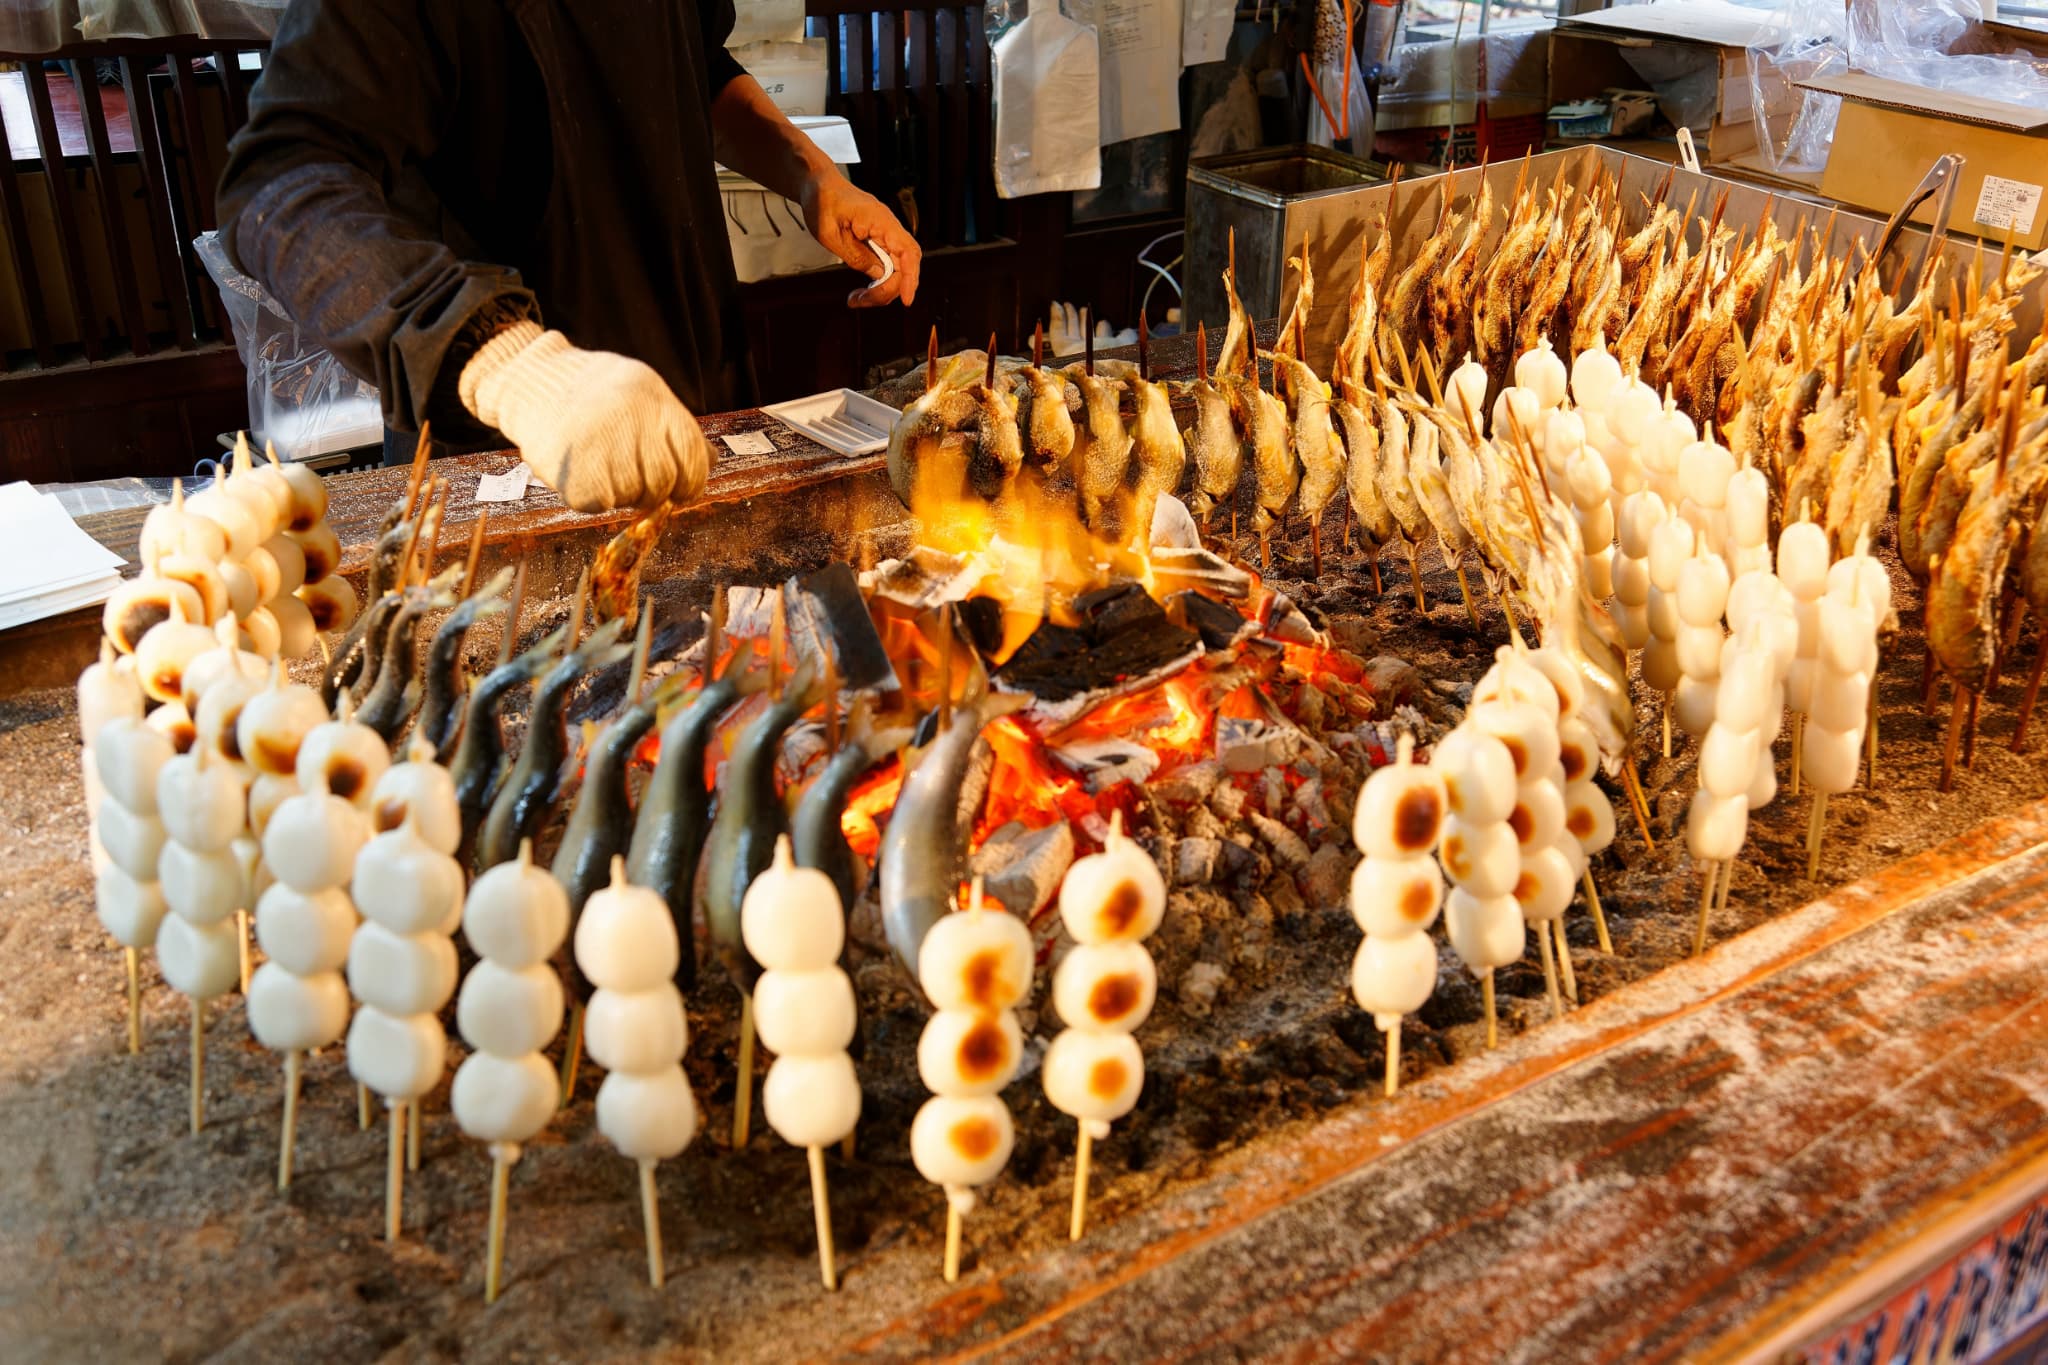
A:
509	486
750	443
2007	205
46	551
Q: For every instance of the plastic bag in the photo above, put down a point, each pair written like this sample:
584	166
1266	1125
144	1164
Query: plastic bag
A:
1915	41
1047	92
104	19
301	399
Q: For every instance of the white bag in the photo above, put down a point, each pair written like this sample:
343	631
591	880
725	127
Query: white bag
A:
1047	100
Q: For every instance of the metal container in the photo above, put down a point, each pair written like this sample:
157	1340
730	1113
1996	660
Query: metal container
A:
1263	195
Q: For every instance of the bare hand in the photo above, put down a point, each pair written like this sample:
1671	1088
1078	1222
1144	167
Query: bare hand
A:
845	219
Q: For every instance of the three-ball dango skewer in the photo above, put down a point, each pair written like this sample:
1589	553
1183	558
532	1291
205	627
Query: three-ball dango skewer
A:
1110	902
975	967
1479	855
128	755
511	1004
1396	892
204	809
804	1008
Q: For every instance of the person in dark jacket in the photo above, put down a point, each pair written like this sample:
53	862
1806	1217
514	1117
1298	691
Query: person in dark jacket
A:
505	215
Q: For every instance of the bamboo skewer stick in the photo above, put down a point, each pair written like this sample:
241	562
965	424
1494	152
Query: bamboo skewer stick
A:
1492	1014
1564	962
476	549
1415	575
1084	1157
1955	732
242	946
1599	915
1392	1085
362	1107
134	956
1699	938
821	1211
1549	969
2019	734
1638	803
419	466
413	1123
952	1267
1870	737
1816	826
1970	735
291	1120
572	1053
509	640
743	1097
198	1065
394	1175
650	1217
494	1252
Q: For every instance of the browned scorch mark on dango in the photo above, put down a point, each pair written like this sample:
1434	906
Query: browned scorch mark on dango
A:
1457	802
1519	752
230	743
274	756
974	1138
136	621
1522	821
390	814
345	778
1457	859
984	1052
1418	901
1416	817
1526	887
1107	1077
1115	996
1574	760
326	612
1580	823
986	983
1125	904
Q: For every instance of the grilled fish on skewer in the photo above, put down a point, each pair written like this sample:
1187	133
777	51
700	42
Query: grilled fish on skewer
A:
1402	320
1859	490
927	450
1235	360
521	805
1050	424
1216	446
1963	597
1102	451
479	763
1274	472
1396	488
395	694
999	452
816	831
1315	438
1361	471
442	706
1158	456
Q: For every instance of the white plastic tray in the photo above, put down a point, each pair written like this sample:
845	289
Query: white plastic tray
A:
843	420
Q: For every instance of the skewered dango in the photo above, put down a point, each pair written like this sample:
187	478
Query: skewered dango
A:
275	723
626	947
351	758
1396	892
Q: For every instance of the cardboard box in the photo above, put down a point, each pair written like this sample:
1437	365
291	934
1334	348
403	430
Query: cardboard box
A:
1694	53
1890	132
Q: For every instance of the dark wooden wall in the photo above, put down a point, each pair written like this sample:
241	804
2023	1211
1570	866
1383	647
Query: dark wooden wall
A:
117	359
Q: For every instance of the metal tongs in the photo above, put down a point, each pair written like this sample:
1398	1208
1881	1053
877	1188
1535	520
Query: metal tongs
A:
1938	184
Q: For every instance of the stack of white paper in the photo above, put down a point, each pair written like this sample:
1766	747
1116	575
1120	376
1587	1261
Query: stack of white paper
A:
48	565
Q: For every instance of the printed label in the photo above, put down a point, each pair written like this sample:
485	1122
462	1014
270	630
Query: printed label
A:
2002	202
750	443
509	486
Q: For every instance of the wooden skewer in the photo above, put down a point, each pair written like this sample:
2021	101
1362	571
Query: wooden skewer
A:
413	1123
1666	710
572	1053
778	645
1564	963
134	956
1816	826
1084	1159
1699	938
931	360
291	1119
1638	803
2019	734
362	1107
1315	547
476	549
494	1251
1087	345
242	945
1415	574
509	640
419	466
1144	349
1955	733
1970	735
945	668
636	676
394	1176
1599	915
1492	1015
1798	746
198	1064
821	1209
714	631
650	1216
1038	346
1549	969
1870	737
1201	350
1392	1086
1465	587
743	1097
832	727
952	1268
989	379
1727	881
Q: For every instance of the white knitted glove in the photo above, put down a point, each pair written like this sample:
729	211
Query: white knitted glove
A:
603	430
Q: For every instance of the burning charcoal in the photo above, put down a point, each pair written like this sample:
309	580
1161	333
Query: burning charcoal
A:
1248	746
1328	876
1106	762
1227	802
1294	624
1309	812
1120	607
1174	570
1024	866
1188	786
1289	850
1047	648
1220	627
1200	986
1393	681
983	619
925	578
1196	861
1244	862
825	611
1354	635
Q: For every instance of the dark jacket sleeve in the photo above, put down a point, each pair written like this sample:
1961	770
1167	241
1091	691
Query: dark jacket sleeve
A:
717	18
345	108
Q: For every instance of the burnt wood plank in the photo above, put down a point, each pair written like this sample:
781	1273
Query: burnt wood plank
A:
114	220
57	179
22	257
152	154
